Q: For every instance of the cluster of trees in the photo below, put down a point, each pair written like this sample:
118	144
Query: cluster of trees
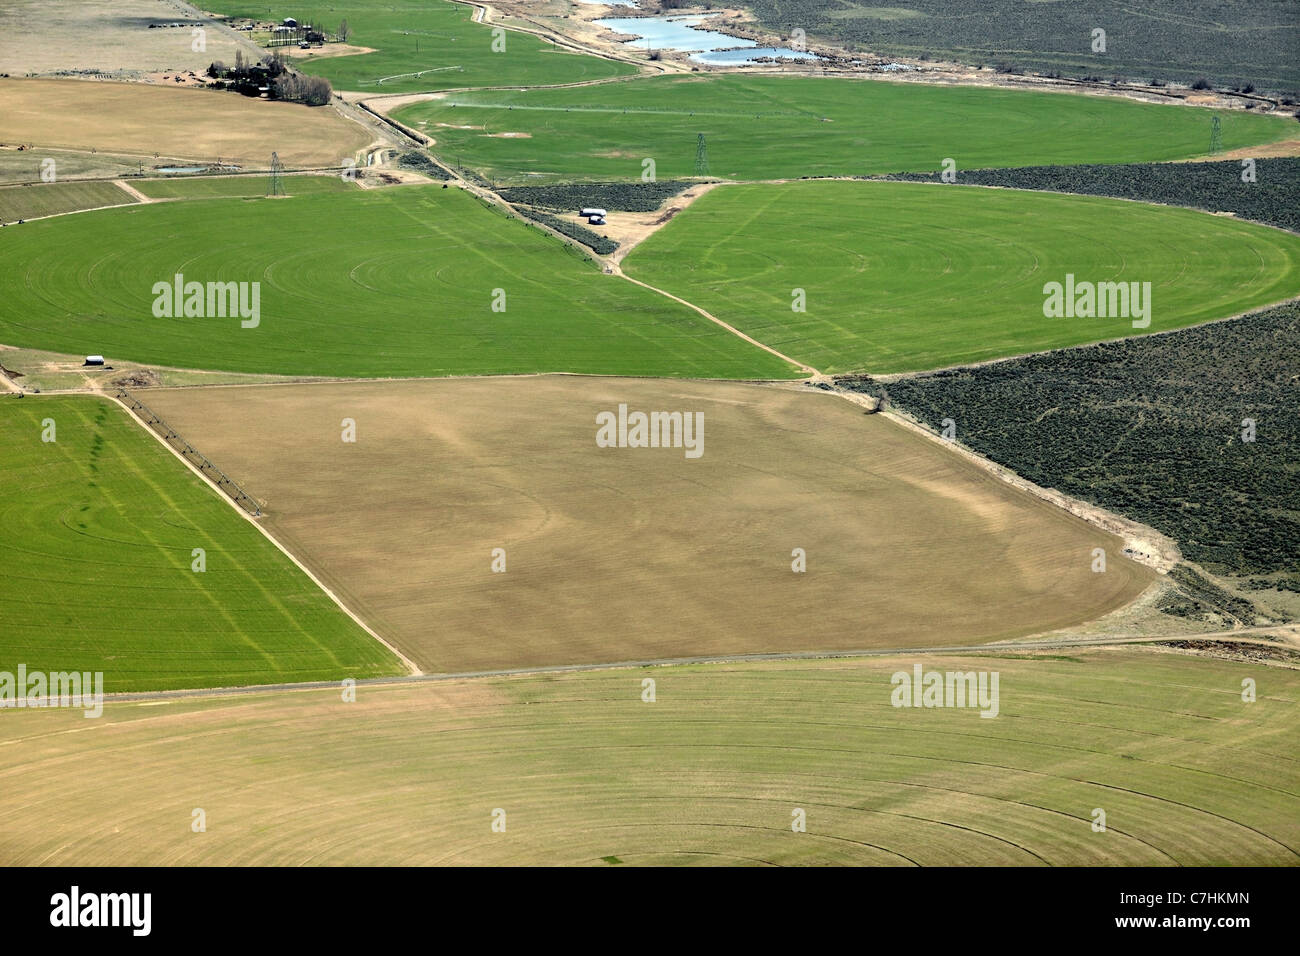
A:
1269	194
273	74
296	88
1193	433
624	197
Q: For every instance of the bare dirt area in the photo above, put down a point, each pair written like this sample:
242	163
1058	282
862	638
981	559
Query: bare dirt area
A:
629	229
47	37
123	118
40	371
327	51
1288	147
641	553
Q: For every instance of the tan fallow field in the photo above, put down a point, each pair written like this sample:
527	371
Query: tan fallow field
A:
191	124
46	36
717	766
614	554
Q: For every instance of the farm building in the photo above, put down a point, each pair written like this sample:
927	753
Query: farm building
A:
94	360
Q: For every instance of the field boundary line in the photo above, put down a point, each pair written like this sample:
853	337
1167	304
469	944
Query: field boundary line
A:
808	370
157	425
1131	532
1013	647
406	661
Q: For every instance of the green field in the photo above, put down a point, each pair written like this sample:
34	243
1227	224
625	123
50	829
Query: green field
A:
452	51
394	282
786	127
900	277
231	187
708	774
96	566
29	202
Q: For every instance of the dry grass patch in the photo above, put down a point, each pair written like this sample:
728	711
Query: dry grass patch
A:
708	774
618	554
125	118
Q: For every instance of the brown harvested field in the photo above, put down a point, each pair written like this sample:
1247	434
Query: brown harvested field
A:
122	118
630	554
45	36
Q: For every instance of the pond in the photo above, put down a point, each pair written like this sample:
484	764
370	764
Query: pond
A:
705	46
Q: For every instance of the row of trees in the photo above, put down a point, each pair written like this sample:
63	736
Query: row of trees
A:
296	88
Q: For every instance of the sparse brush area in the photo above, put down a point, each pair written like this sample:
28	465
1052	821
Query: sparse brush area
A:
419	161
1198	598
1153	428
622	197
1187	41
1273	196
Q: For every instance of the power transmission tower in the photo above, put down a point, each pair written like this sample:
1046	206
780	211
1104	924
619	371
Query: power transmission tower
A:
701	156
1216	136
276	186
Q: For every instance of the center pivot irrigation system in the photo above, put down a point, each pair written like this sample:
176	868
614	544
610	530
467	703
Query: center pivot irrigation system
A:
190	453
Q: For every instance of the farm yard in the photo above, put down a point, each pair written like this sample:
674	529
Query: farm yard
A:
98	564
765	127
709	774
420	45
901	277
570	428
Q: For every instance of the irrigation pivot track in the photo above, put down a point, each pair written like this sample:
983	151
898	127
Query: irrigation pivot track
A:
190	453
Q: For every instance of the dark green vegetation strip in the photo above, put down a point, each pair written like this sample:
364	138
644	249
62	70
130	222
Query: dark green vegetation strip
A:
28	202
1150	428
365	283
418	160
97	557
592	240
621	197
1237	43
1273	196
772	127
424	45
